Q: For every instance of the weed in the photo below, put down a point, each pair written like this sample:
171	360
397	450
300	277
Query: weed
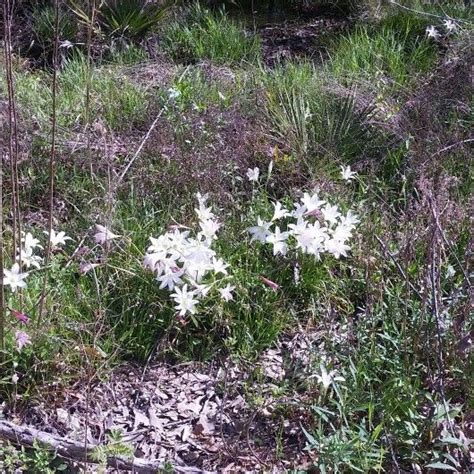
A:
206	35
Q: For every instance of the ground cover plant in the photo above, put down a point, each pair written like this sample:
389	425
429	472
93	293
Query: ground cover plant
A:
215	260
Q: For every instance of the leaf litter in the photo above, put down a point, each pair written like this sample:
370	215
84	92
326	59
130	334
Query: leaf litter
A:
213	417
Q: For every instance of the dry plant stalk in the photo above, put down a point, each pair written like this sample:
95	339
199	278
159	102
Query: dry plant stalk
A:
52	157
12	130
13	157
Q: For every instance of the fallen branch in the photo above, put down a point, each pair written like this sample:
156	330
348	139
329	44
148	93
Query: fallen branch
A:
73	450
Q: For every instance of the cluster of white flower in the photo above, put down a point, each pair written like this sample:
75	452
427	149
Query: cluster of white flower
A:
449	25
26	257
312	227
183	263
15	277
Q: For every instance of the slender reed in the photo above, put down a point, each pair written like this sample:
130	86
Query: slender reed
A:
92	12
52	159
12	130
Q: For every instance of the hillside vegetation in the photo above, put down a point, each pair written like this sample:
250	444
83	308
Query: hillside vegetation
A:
235	242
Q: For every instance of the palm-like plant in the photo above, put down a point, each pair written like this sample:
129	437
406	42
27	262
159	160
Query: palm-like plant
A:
130	19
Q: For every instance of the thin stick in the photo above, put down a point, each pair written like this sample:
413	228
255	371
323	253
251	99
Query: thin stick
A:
12	129
2	264
433	15
89	83
435	313
52	157
146	137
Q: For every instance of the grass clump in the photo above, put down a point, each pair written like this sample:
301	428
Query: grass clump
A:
312	121
202	34
120	102
395	56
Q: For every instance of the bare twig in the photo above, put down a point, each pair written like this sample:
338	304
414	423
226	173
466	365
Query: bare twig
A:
12	127
433	15
145	138
435	313
450	147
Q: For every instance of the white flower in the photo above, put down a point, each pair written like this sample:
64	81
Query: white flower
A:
331	213
209	229
261	231
253	174
185	302
336	247
202	199
173	93
226	293
66	44
22	339
450	271
152	260
450	25
279	211
103	234
15	378
278	239
204	213
350	220
58	238
310	240
432	32
14	277
312	202
326	379
347	174
30	242
28	259
219	266
201	290
170	278
300	211
342	233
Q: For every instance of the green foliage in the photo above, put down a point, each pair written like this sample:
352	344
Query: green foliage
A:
113	96
37	459
130	20
203	34
43	26
394	54
373	328
115	447
312	120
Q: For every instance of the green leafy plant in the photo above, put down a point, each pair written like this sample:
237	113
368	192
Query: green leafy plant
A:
203	34
43	18
130	20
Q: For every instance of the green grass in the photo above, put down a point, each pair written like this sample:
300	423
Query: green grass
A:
121	103
388	57
307	115
202	34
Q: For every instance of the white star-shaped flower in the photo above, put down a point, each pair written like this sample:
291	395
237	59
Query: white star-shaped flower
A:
347	174
253	174
14	278
260	231
226	293
103	234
